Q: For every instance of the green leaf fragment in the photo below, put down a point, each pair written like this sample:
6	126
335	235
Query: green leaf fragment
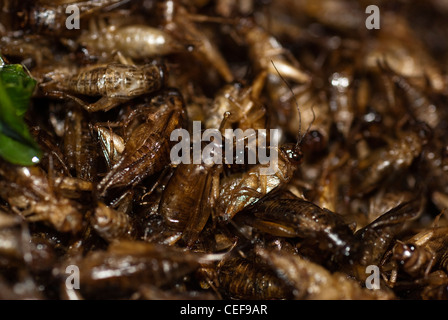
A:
16	88
18	153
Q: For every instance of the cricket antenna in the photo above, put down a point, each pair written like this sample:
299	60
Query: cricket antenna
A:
300	137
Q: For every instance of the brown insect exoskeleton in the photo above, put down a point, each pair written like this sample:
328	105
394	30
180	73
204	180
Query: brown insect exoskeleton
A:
75	156
240	190
232	104
268	54
298	218
420	254
313	282
79	151
126	265
243	104
181	24
405	54
50	17
28	190
112	145
343	15
332	176
147	150
422	103
133	41
187	200
436	286
243	189
267	211
244	278
111	224
379	235
51	149
116	83
30	51
395	158
189	210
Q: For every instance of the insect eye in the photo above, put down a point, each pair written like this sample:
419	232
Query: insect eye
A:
294	155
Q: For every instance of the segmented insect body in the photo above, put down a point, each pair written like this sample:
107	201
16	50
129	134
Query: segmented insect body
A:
147	150
424	251
111	224
379	235
177	21
385	200
186	202
50	17
304	219
28	190
266	51
405	54
245	279
242	103
154	228
188	211
79	152
73	188
134	41
423	107
313	282
243	189
275	220
117	81
50	148
126	265
395	158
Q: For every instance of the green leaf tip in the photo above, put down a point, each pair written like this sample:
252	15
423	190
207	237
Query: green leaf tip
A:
16	88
